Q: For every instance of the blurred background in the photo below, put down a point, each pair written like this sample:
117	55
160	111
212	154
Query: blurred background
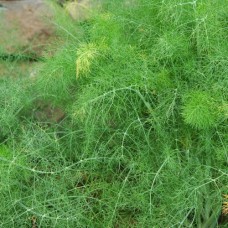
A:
26	30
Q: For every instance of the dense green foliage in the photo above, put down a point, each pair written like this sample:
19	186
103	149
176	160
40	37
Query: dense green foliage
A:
143	142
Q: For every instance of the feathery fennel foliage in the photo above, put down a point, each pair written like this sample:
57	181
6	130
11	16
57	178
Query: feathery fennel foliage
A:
143	85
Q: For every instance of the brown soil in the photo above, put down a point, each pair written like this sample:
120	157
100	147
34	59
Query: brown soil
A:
45	112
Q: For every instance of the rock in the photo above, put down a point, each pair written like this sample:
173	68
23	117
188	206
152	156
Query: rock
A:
24	26
82	9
